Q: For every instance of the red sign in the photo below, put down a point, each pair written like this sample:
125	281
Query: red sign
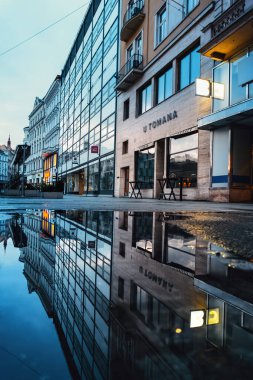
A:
94	149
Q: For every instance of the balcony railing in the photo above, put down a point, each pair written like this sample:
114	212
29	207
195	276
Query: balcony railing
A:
130	72
229	17
132	19
231	31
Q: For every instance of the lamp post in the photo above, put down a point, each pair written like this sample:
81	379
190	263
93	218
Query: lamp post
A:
25	146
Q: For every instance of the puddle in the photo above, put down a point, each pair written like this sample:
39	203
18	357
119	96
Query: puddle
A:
119	295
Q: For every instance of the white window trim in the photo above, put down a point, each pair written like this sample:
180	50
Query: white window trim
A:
156	41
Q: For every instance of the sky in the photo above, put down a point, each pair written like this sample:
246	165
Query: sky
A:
29	70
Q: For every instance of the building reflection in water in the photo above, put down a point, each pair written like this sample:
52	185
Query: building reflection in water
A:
131	314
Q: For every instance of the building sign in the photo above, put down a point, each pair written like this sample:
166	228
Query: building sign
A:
92	244
94	149
160	121
156	279
75	161
199	318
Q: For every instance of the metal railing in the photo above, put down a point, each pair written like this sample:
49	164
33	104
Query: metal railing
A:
135	62
133	10
228	17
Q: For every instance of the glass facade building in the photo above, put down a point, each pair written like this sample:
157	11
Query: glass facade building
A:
88	103
82	288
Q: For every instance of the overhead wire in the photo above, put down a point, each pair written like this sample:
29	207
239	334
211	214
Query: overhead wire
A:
43	30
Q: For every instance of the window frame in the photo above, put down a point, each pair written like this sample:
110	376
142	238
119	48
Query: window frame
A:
185	54
158	24
140	97
158	76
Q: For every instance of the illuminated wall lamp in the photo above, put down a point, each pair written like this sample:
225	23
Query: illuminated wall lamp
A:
206	88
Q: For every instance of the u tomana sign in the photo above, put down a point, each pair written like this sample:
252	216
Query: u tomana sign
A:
160	121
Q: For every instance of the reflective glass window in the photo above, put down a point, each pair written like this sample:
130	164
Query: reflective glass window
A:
145	166
183	159
145	99
237	92
189	68
164	85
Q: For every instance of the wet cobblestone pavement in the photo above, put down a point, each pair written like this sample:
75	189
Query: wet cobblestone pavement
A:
232	231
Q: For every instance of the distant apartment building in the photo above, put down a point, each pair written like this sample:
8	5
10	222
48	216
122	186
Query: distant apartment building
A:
34	163
18	163
167	49
3	168
88	103
51	134
6	155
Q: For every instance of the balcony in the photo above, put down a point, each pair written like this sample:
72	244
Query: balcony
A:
133	18
230	32
130	73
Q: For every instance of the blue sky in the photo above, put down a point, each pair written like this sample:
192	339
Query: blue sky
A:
28	71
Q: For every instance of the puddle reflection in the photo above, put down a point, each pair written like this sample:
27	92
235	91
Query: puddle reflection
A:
132	295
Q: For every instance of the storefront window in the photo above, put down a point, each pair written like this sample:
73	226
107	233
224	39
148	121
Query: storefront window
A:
229	74
85	179
183	159
106	174
238	92
251	84
221	76
93	177
145	166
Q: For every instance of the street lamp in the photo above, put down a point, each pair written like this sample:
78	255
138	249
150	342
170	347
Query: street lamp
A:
24	147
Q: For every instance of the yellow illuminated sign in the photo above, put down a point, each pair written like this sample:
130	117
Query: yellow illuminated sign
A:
213	316
218	91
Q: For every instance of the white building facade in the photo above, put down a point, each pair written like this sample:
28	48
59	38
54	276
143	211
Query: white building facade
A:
34	163
3	168
52	128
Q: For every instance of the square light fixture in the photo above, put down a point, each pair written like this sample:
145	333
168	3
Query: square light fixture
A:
218	91
203	87
197	318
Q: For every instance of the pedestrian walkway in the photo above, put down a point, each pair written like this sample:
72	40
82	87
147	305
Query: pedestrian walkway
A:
109	203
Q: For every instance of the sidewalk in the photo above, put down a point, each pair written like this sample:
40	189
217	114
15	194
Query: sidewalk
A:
109	203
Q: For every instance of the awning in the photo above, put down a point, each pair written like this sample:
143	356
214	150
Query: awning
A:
239	114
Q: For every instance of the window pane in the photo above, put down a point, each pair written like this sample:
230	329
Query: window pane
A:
191	4
148	97
176	13
183	143
160	90
161	25
106	174
221	75
184	71
168	83
251	84
185	165
195	65
145	100
238	93
145	166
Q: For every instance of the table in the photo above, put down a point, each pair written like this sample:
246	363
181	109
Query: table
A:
136	187
170	181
